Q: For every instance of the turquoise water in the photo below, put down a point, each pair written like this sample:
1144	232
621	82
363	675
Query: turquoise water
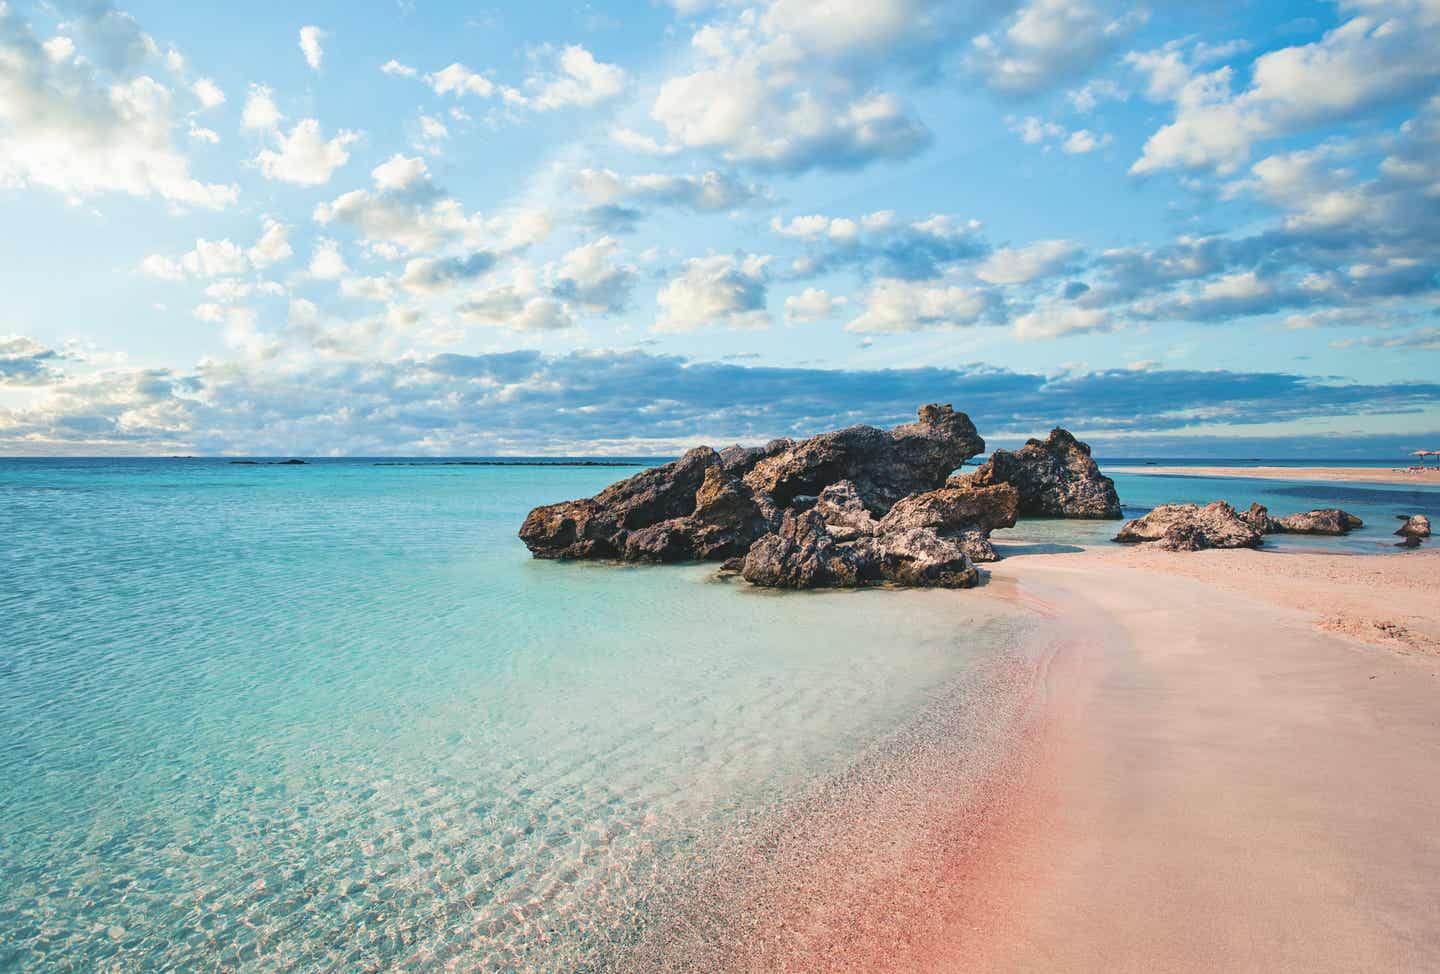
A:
333	717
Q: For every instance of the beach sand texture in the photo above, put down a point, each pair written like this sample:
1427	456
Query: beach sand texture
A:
1235	782
1429	476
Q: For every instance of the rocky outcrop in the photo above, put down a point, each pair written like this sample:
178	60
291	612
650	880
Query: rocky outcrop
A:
1056	477
883	465
1329	520
1415	526
712	505
804	554
1190	527
963	515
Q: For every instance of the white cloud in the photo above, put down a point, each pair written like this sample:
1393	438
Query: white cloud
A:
1363	63
310	37
894	306
715	290
811	305
460	80
209	93
1083	140
517	307
326	261
593	277
710	191
214	258
305	157
158	265
1024	264
395	69
273	245
260	111
67	127
1056	321
1049	40
399	172
58	50
578	80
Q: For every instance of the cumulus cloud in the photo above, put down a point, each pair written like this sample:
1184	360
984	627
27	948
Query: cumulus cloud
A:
310	38
721	290
710	191
811	305
26	362
326	261
305	157
260	110
893	306
1020	265
576	80
1048	41
881	243
86	126
1059	320
208	93
273	245
1365	62
595	278
433	274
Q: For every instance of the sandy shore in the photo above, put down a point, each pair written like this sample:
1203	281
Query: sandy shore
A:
1366	475
1241	774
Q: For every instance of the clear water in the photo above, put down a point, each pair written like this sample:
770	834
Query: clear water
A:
333	717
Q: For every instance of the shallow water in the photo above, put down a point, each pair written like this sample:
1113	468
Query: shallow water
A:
334	718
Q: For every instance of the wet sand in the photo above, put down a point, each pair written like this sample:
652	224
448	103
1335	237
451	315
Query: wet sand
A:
1232	782
1363	475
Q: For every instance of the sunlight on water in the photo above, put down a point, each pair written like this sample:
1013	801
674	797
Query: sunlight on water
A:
334	718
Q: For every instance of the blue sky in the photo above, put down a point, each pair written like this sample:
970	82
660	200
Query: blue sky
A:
424	227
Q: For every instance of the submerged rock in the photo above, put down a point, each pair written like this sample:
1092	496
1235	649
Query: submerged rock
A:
1056	477
1190	527
1330	520
1416	526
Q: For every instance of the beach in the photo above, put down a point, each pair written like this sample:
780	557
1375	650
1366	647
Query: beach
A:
1239	772
1429	476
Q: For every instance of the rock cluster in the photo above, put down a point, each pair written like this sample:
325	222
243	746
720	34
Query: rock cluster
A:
1190	527
1056	477
852	507
1329	520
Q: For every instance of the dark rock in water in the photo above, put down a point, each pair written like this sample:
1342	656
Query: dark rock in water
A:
1416	526
1056	477
883	466
1258	517
1190	527
1411	541
714	506
803	554
1330	520
268	463
924	557
964	515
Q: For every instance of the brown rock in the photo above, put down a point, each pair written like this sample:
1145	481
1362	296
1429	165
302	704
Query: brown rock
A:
1056	477
1190	527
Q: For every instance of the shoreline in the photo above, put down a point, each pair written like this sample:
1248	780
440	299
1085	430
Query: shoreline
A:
1358	475
1232	781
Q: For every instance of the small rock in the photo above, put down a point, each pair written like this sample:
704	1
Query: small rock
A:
1416	526
1190	527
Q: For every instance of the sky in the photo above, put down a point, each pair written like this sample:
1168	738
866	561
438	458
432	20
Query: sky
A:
432	228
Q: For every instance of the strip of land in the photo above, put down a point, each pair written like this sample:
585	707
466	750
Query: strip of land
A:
1241	771
1366	475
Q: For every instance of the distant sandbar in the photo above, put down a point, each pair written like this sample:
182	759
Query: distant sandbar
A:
1369	475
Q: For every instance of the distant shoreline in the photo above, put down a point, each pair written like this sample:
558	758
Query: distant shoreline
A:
1371	475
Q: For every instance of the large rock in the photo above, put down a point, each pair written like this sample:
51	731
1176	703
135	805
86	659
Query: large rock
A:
923	557
1190	527
804	554
713	506
1415	526
883	466
1056	477
964	515
1329	520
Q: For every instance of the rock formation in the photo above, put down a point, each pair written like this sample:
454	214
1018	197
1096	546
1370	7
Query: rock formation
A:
1329	520
1190	527
1415	526
1056	477
824	511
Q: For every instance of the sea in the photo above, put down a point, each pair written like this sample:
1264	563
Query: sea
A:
333	717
